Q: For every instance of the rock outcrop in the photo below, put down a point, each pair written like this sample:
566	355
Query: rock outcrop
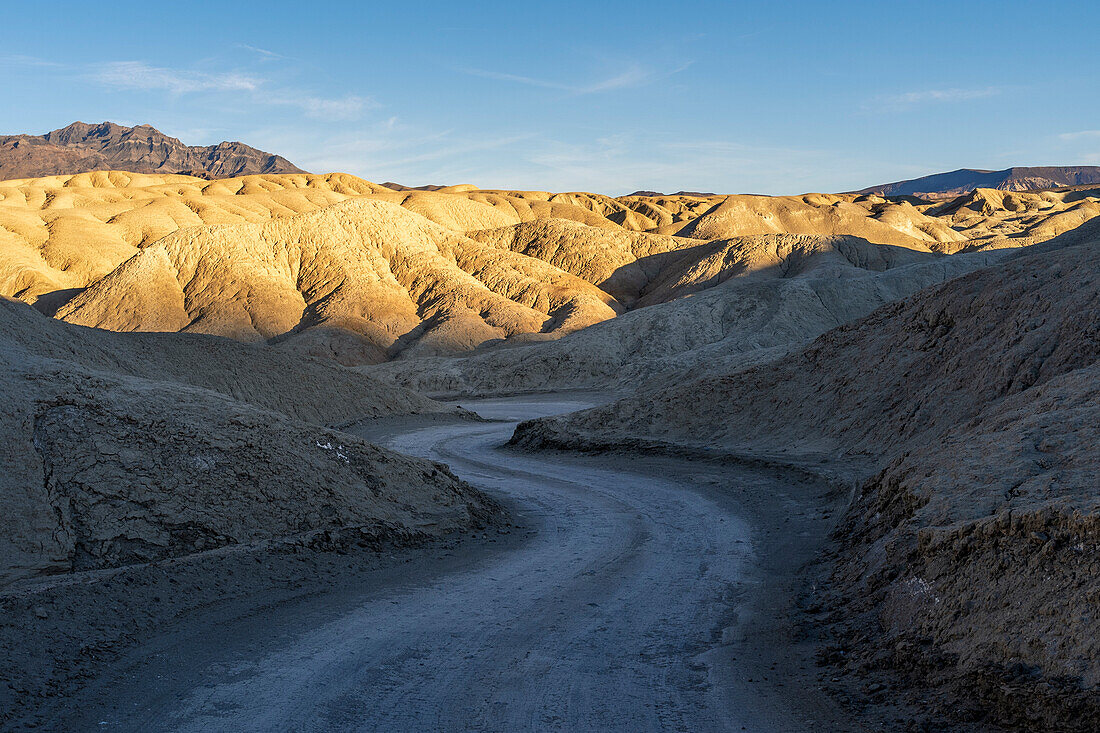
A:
111	250
80	147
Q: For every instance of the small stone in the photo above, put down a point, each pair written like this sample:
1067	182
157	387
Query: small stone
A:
40	612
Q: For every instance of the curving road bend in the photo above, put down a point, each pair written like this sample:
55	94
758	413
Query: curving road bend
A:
608	618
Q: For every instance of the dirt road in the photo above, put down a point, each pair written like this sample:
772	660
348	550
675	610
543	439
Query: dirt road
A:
630	607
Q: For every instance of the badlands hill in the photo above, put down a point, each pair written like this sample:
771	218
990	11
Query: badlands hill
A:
81	147
968	414
965	180
361	281
752	298
124	448
339	267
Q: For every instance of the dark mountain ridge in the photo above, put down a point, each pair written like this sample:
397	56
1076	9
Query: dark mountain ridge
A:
82	147
964	180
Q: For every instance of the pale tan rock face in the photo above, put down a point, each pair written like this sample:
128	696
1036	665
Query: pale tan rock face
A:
621	263
144	294
373	278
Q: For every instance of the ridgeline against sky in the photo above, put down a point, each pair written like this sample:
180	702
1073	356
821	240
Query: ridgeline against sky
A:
713	97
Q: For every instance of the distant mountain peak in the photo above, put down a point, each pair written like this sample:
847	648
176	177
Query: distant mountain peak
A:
80	147
965	180
657	194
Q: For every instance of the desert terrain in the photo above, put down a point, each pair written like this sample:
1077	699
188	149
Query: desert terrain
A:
283	450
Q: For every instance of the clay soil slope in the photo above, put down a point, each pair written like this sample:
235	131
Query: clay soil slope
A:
361	280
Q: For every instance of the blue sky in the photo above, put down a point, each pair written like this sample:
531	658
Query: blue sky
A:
611	97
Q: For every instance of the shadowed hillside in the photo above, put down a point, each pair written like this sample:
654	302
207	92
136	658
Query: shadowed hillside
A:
125	448
967	414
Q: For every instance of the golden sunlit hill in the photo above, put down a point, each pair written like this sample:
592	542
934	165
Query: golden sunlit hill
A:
273	258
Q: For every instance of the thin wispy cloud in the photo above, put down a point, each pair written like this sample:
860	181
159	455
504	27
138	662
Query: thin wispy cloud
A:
633	76
388	149
261	52
458	148
623	162
945	95
529	81
139	75
342	108
1080	135
916	98
16	59
615	163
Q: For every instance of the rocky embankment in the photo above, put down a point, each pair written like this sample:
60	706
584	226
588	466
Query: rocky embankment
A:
125	448
968	418
149	475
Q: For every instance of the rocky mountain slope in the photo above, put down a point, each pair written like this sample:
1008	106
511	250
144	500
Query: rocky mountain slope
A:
124	448
81	147
965	180
968	414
